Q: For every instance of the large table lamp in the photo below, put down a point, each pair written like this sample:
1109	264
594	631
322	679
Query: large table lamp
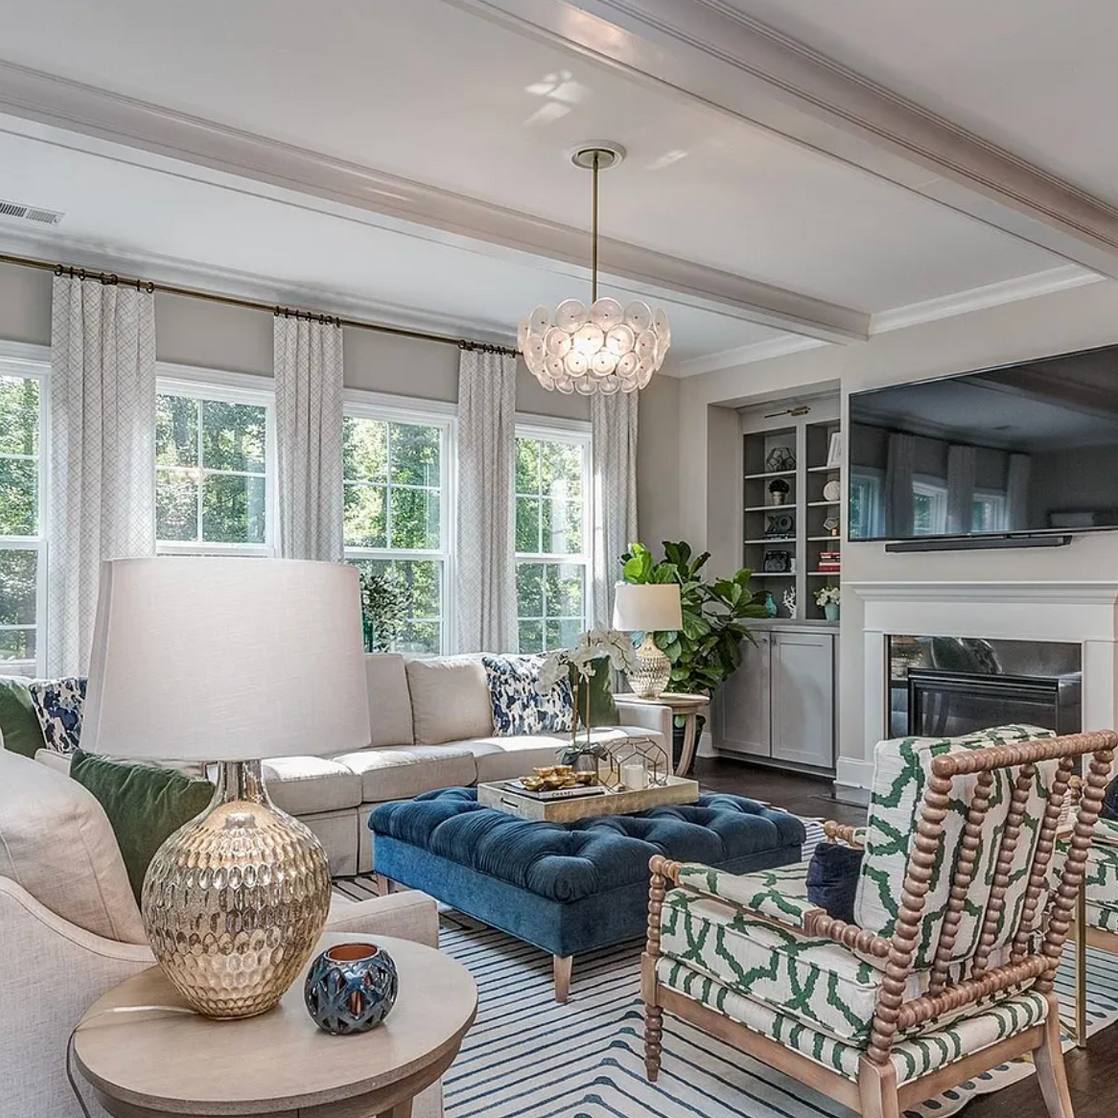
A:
230	660
648	608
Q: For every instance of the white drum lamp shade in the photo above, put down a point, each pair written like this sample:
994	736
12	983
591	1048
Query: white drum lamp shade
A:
647	608
230	660
226	659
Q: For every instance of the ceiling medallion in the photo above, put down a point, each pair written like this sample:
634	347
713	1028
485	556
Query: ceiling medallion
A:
602	348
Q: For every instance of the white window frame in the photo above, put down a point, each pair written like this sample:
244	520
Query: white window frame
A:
873	521
231	388
30	362
575	433
361	404
924	485
999	508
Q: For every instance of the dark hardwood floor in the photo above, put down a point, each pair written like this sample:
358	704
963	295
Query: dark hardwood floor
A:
1092	1072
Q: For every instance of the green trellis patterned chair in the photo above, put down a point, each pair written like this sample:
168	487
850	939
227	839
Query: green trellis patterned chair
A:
960	920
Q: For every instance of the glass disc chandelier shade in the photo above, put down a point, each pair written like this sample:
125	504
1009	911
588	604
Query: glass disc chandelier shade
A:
604	348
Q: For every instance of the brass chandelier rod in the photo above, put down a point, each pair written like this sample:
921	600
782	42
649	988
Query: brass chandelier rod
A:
256	305
594	232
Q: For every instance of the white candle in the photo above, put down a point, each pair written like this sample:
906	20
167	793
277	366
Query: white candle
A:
634	775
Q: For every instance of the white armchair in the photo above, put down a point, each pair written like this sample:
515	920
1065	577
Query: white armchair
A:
70	930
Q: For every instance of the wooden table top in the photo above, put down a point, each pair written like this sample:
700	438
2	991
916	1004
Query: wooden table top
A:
675	699
279	1061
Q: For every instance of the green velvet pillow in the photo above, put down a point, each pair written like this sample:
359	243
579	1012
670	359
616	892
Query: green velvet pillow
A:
602	709
144	805
18	721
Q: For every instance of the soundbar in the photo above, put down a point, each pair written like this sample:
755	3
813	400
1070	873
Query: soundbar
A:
977	543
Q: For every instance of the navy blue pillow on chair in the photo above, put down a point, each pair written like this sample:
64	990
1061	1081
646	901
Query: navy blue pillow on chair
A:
832	879
1110	801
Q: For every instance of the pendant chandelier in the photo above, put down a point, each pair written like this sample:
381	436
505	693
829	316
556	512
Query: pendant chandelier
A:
602	348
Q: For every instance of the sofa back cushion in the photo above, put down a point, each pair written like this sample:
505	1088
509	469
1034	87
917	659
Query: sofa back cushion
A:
57	843
389	704
902	768
58	705
517	703
449	699
19	724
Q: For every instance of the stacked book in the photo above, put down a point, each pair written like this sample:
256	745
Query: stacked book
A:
830	561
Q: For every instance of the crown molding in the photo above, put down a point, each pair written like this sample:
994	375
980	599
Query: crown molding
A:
979	298
76	107
746	355
710	51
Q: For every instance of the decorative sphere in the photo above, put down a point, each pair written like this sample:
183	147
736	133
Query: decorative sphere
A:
351	988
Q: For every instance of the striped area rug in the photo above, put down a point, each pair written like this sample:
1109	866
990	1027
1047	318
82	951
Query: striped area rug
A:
528	1057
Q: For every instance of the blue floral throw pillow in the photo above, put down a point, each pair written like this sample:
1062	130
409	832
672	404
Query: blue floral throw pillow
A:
58	704
518	707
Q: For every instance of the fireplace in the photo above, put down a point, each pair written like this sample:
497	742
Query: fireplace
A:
945	686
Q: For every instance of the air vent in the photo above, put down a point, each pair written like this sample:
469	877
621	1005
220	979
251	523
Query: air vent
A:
29	213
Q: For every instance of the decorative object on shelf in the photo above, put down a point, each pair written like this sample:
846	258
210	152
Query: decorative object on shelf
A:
778	490
831	524
780	458
788	600
769	602
386	605
830	561
351	988
777	562
649	609
707	648
207	658
605	348
832	491
834	450
828	598
779	525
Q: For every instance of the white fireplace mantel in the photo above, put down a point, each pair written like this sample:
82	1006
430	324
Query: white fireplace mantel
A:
1080	612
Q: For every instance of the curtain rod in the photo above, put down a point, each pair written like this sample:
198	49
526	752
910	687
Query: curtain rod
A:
250	304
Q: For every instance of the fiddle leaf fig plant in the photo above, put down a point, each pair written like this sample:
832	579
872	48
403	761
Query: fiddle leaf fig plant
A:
708	647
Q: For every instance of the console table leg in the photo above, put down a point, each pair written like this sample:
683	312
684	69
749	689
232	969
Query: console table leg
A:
561	966
687	754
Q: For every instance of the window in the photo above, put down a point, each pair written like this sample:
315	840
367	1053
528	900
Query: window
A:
397	504
552	537
22	550
929	507
214	467
989	512
865	512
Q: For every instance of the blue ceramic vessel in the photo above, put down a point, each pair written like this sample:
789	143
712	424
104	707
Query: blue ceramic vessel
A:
351	988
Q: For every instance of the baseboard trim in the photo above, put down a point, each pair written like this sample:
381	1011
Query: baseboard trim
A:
854	773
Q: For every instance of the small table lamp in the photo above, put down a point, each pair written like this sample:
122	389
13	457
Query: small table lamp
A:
649	608
230	660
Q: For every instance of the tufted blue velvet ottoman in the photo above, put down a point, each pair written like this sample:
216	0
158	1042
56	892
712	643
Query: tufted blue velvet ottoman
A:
567	887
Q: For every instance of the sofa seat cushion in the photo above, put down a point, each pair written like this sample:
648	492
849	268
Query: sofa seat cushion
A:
566	862
911	1058
403	771
305	785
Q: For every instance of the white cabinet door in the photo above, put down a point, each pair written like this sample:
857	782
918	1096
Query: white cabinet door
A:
803	698
742	710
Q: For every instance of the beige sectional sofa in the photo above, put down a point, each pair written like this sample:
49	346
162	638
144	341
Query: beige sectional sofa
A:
432	727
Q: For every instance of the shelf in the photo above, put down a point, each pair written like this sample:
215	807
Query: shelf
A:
772	473
773	574
824	469
775	539
823	574
771	508
821	539
821	505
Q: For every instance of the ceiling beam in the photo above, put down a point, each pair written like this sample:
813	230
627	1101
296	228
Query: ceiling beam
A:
709	51
467	222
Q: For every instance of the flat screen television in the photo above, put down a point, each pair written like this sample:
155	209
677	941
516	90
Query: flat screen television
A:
1021	449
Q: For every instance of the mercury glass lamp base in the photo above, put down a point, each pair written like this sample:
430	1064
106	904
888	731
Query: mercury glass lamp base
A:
652	673
235	900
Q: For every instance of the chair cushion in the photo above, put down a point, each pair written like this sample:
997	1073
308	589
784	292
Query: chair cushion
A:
19	724
145	805
56	841
518	704
912	1058
404	771
389	702
449	699
902	768
305	785
58	705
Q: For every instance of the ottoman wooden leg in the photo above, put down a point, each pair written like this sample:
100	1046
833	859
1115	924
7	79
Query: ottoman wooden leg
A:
561	966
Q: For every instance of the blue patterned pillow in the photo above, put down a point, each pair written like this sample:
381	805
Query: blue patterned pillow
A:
58	704
518	707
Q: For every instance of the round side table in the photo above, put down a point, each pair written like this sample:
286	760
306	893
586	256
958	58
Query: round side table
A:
149	1063
689	707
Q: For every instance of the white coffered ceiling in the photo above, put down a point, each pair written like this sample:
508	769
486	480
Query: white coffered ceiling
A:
410	156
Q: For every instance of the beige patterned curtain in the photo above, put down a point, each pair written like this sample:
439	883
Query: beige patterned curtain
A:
102	451
613	428
308	371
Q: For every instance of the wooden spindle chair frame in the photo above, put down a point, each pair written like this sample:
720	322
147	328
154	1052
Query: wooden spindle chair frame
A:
1044	914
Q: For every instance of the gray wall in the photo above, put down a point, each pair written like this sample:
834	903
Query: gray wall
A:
212	335
709	515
